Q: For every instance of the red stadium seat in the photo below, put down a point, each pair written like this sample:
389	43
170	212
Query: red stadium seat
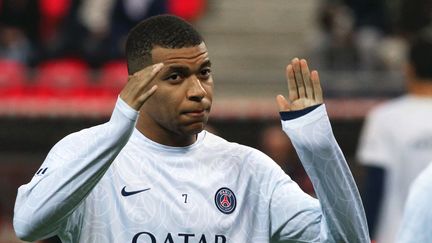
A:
52	14
54	9
113	77
190	10
62	78
13	76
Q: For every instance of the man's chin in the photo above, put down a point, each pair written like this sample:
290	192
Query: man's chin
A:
194	128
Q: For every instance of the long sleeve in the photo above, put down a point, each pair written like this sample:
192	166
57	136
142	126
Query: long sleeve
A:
70	171
343	218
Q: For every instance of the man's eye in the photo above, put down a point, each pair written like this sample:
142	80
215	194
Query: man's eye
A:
173	77
205	72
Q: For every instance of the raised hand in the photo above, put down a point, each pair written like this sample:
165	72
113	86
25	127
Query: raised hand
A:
304	88
136	92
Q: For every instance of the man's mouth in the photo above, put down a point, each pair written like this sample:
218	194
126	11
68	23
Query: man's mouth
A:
195	113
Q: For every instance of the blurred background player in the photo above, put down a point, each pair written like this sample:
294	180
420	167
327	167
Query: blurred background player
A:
396	143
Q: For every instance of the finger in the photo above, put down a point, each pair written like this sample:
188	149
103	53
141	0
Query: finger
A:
292	86
145	75
151	69
156	68
136	90
317	87
148	93
298	77
306	78
282	103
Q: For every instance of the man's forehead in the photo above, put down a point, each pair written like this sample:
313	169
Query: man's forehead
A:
194	53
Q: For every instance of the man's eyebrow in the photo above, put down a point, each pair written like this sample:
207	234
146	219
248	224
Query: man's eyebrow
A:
185	69
207	63
178	68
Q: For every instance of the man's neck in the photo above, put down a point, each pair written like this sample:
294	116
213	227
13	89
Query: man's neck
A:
165	137
421	88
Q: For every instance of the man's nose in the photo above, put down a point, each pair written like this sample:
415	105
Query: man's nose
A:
195	90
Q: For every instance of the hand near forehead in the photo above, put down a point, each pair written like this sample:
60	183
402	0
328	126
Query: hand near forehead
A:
137	90
304	88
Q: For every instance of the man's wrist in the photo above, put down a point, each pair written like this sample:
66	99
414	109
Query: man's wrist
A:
290	115
126	109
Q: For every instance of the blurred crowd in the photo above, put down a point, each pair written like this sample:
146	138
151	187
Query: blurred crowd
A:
367	34
33	31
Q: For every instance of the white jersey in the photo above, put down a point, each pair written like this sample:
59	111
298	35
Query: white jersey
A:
417	220
398	138
110	183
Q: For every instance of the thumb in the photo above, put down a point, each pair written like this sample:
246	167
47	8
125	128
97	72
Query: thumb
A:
282	103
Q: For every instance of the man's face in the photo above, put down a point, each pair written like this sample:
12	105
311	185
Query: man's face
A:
182	101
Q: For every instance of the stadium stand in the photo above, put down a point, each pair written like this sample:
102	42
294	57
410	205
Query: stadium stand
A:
62	78
112	78
13	76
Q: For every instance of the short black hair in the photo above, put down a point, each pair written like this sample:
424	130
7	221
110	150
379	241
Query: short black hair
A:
166	31
420	54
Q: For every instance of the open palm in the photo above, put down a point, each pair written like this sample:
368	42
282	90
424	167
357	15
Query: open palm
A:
304	88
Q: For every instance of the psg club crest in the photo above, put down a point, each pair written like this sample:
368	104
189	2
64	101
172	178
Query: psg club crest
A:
225	200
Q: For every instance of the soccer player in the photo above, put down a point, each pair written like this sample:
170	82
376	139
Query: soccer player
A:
152	174
396	143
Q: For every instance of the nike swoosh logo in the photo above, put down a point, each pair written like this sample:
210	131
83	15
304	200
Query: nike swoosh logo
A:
130	193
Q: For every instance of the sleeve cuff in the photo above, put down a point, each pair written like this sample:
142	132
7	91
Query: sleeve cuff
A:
290	115
126	110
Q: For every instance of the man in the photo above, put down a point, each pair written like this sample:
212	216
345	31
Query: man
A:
396	143
417	217
156	176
